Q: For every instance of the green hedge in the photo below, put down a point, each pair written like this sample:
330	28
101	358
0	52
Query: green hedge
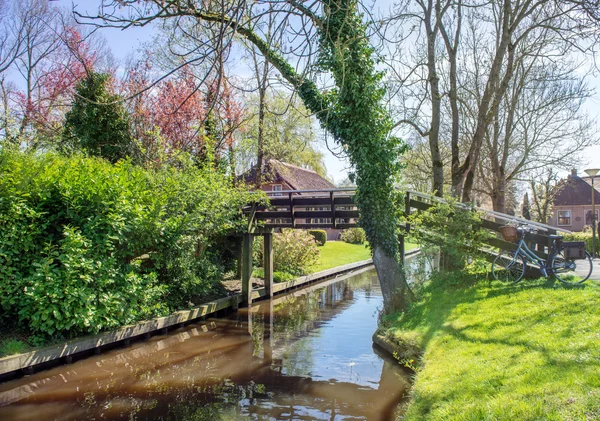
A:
87	246
320	236
583	236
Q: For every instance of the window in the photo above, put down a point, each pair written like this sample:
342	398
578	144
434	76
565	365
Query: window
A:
588	216
564	218
277	187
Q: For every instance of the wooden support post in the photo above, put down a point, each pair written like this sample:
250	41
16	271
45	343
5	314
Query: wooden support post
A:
406	227
401	249
239	247
247	271
268	262
333	222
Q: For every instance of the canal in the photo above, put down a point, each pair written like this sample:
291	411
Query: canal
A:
306	355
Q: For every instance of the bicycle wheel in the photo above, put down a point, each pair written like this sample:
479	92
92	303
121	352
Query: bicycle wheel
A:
507	267
569	271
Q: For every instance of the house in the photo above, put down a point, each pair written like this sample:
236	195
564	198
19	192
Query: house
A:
572	205
277	176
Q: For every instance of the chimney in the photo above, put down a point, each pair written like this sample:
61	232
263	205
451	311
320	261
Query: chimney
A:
573	172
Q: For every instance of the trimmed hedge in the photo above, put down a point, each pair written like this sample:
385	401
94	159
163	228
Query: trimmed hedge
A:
583	236
320	236
86	245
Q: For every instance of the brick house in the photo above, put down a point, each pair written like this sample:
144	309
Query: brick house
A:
572	206
278	176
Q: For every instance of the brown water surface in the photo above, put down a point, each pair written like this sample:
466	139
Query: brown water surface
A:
307	355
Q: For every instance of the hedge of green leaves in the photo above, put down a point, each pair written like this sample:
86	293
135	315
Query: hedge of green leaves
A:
87	246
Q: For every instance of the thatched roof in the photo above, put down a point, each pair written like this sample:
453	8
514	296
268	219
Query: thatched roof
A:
296	177
577	190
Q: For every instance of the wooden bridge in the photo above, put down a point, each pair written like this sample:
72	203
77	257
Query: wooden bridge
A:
336	208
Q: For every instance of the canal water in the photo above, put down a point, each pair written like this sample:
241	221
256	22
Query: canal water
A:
307	355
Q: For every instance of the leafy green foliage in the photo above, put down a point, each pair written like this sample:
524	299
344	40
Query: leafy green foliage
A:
98	122
455	232
354	236
87	245
320	236
278	276
12	346
293	251
584	236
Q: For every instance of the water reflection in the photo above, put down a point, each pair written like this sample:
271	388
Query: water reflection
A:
304	356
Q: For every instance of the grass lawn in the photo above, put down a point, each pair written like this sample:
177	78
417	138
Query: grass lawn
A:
492	351
338	253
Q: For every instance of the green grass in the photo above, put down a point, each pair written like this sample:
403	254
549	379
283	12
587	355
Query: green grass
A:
492	351
11	346
338	253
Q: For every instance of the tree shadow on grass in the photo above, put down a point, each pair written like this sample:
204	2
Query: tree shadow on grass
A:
439	297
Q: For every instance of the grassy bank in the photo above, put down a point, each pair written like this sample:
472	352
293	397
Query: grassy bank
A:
503	352
338	253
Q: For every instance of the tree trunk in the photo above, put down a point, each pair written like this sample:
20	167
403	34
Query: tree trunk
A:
392	278
436	101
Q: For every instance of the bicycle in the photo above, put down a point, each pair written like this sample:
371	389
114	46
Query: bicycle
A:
567	261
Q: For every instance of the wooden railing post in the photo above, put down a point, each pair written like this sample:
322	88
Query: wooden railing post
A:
268	262
247	270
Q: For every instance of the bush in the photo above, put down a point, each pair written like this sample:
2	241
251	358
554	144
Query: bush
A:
586	236
277	275
320	236
87	246
457	233
354	236
293	251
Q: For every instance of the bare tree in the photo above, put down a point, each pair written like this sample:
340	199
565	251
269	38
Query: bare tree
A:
544	187
482	47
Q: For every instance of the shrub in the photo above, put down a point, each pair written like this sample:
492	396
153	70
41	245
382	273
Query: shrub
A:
320	236
293	251
277	275
586	236
354	236
457	233
87	245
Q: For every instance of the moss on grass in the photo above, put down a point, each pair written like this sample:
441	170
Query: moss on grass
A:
493	351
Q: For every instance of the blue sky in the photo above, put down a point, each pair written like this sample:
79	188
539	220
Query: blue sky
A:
125	43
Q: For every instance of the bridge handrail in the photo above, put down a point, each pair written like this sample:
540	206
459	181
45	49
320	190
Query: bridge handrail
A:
281	192
497	215
486	212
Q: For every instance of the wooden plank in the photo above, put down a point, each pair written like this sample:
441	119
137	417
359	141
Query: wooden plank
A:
29	359
280	201
312	201
418	204
247	270
262	215
331	197
346	214
292	211
312	214
505	245
268	263
344	201
315	226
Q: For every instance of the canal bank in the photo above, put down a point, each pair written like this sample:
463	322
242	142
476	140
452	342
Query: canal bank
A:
26	363
495	351
306	354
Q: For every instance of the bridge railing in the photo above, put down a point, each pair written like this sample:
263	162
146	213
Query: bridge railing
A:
538	241
333	208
